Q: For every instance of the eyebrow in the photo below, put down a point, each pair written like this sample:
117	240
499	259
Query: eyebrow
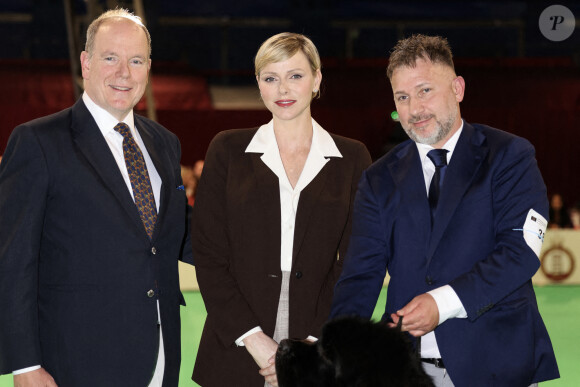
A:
419	86
289	71
113	53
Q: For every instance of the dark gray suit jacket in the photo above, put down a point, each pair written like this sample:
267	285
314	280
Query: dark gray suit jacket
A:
79	277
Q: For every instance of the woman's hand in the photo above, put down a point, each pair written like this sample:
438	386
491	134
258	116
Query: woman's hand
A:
263	350
269	373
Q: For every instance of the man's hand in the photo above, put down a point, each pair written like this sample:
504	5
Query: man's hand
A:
36	378
421	315
263	350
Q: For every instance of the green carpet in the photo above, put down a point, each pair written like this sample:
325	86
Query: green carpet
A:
559	305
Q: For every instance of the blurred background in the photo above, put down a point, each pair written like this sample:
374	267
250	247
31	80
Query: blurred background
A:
203	82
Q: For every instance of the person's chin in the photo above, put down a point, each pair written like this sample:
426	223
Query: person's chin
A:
122	106
422	136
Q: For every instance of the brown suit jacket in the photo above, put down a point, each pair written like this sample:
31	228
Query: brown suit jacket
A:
236	238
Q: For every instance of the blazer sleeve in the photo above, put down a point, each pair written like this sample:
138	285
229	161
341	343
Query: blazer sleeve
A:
24	180
229	314
517	187
365	264
362	161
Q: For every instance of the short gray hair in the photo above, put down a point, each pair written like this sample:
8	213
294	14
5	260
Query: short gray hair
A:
106	16
436	49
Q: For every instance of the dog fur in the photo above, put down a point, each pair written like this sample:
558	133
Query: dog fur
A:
351	352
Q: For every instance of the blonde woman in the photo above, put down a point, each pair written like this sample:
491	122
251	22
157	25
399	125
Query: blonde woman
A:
271	222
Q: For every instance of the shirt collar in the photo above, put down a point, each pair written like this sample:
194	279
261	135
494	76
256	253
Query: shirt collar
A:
449	145
265	140
105	120
321	148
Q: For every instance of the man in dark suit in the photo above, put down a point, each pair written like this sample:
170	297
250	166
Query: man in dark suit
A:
460	235
93	223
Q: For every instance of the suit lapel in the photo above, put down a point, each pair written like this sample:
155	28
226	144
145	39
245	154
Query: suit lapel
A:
407	174
468	155
307	206
268	195
90	141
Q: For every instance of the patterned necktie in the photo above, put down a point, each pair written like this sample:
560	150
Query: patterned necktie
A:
142	191
439	159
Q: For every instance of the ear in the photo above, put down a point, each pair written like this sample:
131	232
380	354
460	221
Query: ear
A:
148	70
85	64
317	80
458	86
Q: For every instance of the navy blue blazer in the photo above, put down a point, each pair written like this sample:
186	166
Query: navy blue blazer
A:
491	183
79	277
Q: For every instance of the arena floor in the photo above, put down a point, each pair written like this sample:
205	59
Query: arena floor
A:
559	305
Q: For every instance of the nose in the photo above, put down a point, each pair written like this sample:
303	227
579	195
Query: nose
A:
283	88
123	69
415	106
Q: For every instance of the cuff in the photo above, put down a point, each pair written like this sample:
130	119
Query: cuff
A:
448	303
25	370
240	340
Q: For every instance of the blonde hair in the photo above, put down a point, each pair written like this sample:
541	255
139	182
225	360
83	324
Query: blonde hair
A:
106	16
284	46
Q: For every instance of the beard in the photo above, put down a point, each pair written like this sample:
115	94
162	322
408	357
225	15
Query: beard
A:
442	127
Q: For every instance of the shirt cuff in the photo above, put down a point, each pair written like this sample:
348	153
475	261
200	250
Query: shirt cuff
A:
240	340
25	370
312	338
448	303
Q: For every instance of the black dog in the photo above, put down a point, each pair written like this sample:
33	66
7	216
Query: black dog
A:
351	352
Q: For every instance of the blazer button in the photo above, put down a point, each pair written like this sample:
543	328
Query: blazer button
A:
153	250
298	274
428	280
150	293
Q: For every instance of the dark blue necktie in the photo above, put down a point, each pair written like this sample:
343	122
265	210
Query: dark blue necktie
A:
439	159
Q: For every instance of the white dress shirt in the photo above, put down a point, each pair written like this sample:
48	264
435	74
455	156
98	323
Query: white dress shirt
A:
448	302
322	147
